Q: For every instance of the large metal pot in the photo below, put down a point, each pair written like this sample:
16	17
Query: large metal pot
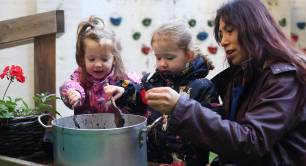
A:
99	142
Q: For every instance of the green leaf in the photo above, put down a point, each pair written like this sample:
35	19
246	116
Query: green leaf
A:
18	107
37	99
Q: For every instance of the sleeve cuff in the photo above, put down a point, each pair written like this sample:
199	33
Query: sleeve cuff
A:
72	85
177	113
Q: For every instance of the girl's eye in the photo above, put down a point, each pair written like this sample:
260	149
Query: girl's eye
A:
169	58
91	59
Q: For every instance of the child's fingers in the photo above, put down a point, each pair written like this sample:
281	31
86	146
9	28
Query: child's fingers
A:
72	92
117	95
113	91
74	102
73	96
109	90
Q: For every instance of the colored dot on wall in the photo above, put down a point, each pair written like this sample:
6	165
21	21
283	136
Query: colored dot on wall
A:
294	37
192	22
210	23
282	22
136	35
145	49
301	25
146	22
212	49
202	36
116	21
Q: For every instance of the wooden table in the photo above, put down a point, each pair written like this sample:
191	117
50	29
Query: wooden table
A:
37	159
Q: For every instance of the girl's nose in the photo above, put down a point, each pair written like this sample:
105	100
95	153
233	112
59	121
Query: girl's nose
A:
98	65
162	63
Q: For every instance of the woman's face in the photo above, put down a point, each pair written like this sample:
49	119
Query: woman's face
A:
98	59
229	41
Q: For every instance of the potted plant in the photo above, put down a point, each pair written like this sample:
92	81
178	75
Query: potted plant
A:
21	134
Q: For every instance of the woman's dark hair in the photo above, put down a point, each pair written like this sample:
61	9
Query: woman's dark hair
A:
259	34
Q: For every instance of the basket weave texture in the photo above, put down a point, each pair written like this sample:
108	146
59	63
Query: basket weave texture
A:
21	136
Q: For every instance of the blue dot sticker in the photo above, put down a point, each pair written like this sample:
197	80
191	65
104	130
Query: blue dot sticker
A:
301	25
116	21
202	36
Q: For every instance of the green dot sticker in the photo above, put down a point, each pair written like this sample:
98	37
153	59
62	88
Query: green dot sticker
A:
192	22
146	22
210	23
136	35
282	22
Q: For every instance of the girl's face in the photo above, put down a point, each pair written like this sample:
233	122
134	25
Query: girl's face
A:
98	59
169	58
229	41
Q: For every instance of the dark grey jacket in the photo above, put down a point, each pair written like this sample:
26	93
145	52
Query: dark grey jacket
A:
270	126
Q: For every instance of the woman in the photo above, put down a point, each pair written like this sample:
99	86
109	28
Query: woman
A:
263	93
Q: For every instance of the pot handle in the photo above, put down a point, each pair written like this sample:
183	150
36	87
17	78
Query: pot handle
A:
41	123
147	130
141	138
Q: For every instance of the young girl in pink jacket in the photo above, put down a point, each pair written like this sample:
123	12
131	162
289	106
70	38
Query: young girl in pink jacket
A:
99	60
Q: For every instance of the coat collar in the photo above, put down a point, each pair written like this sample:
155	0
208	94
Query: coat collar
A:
196	69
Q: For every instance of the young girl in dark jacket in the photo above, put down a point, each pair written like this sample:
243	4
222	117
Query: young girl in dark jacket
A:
181	66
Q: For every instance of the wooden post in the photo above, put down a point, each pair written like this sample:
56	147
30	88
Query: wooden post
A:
44	63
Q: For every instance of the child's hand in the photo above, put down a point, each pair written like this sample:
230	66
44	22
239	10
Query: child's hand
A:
73	96
113	91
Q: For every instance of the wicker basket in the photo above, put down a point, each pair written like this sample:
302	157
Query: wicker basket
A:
20	136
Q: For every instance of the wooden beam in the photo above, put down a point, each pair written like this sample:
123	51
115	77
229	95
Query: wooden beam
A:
24	29
9	161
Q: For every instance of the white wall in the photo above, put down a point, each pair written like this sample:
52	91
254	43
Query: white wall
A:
132	13
20	55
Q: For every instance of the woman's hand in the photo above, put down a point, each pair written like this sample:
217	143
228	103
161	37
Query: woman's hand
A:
113	91
73	96
162	99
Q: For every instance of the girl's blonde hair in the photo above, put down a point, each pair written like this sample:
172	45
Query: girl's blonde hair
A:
94	29
180	34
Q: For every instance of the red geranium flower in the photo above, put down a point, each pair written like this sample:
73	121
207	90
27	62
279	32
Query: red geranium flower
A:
16	71
7	68
11	73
